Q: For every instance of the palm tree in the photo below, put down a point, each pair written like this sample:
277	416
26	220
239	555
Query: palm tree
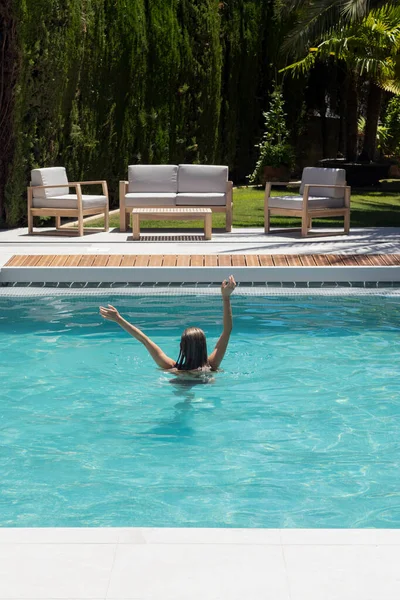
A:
370	49
316	17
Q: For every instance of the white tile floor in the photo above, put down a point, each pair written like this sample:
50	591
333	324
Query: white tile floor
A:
248	240
199	564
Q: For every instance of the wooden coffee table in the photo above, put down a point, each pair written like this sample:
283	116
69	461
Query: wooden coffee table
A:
173	213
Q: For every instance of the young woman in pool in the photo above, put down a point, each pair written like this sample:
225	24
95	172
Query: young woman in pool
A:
193	348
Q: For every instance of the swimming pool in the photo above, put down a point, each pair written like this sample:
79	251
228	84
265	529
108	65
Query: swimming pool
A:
300	429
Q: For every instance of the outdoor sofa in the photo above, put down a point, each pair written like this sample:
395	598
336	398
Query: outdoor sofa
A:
179	186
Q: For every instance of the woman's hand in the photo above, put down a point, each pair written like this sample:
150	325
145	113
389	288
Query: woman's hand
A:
227	287
110	313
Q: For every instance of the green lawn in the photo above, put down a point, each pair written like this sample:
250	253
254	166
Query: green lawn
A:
368	209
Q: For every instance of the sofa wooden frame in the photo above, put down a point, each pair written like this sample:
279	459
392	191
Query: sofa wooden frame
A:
127	210
307	213
77	213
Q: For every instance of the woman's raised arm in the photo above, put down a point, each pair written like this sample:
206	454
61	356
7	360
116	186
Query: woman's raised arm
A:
218	353
162	360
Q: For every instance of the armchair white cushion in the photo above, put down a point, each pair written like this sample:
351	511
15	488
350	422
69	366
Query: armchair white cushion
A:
49	176
296	202
46	200
330	197
322	176
70	201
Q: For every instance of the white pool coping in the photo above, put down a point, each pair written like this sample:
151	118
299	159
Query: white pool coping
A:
199	564
198	274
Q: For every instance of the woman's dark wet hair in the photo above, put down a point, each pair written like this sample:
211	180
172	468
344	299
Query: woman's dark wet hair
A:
193	350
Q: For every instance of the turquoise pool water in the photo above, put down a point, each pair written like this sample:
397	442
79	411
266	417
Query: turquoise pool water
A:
300	429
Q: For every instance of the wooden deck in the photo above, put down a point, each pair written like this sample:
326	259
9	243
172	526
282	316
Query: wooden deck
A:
206	260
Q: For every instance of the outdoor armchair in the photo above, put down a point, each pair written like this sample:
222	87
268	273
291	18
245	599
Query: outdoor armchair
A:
323	193
48	195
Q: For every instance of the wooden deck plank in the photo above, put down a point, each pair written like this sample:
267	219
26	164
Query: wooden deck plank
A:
307	260
392	259
25	259
156	260
100	260
362	260
225	260
279	260
169	260
16	261
11	261
196	260
45	260
238	260
142	260
378	259
115	260
87	260
72	260
334	260
31	260
211	260
183	260
59	260
293	260
128	260
266	260
252	260
349	260
321	260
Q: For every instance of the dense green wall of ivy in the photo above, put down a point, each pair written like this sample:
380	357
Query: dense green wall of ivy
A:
106	83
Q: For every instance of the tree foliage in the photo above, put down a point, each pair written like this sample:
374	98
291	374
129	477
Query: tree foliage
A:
101	84
275	149
106	83
96	85
391	144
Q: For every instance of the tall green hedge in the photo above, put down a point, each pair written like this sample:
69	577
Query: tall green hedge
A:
106	83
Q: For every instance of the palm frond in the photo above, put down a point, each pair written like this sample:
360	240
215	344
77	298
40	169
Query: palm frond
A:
313	23
391	85
355	9
374	67
302	66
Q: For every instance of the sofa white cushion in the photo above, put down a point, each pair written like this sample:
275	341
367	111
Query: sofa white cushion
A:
193	199
144	199
296	202
320	176
153	178
202	178
49	176
70	201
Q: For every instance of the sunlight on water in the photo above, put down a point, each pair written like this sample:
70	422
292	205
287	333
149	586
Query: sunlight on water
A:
300	429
